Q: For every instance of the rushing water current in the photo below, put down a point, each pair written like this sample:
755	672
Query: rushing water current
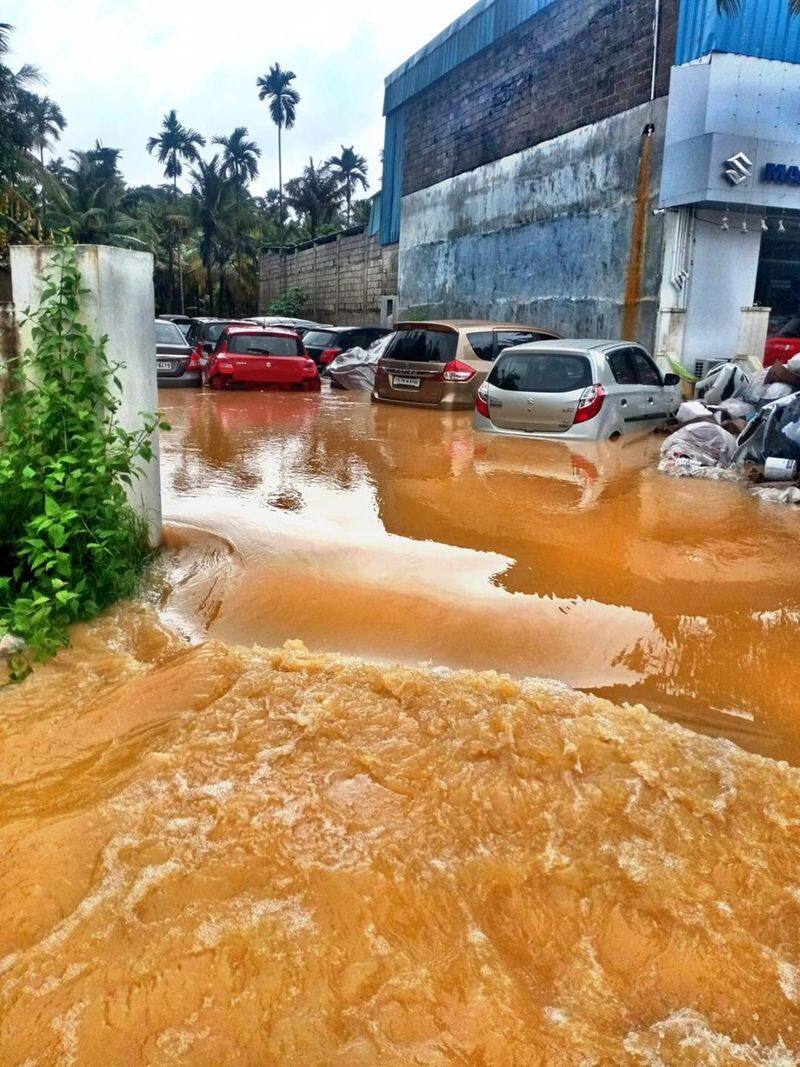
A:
213	853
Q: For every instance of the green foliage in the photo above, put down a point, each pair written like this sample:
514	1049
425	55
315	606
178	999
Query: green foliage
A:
289	305
70	544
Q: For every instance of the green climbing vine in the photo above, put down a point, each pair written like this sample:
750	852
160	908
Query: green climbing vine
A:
70	544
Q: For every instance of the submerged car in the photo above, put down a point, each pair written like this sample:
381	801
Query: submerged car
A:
300	326
784	344
355	369
183	322
442	364
204	333
176	362
325	344
576	390
249	357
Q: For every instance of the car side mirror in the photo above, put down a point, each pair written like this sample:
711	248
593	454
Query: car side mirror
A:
672	379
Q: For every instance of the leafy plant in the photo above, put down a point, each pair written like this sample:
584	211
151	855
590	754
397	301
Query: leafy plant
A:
70	543
290	305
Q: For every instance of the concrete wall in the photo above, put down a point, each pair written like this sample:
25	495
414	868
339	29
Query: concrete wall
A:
573	64
561	234
118	304
343	278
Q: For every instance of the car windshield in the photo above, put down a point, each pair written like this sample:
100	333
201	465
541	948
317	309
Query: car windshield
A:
264	345
319	338
167	333
791	329
423	346
548	372
213	331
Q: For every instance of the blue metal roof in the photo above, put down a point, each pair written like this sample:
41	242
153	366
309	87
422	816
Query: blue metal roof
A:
763	28
484	23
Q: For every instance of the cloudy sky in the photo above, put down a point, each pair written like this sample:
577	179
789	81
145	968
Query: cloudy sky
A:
116	66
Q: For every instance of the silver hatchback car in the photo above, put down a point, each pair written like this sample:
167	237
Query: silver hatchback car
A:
575	390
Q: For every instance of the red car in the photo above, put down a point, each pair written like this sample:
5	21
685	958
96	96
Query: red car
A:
783	345
254	357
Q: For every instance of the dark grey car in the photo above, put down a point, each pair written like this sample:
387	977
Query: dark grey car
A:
175	363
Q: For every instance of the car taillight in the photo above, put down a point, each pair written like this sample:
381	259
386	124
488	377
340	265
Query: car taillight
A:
309	368
329	355
223	363
194	360
482	401
381	371
456	371
590	403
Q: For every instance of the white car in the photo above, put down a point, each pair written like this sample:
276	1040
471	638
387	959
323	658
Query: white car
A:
575	390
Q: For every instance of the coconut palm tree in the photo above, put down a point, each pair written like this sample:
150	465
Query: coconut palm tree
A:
174	145
240	166
283	100
350	169
316	195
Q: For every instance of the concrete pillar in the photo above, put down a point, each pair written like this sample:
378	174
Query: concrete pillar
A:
670	329
120	305
753	329
723	281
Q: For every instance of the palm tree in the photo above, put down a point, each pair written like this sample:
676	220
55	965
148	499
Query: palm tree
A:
240	165
88	199
209	193
46	123
316	195
175	143
351	170
15	99
283	101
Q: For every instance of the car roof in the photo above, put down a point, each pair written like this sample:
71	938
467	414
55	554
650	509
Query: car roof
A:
471	324
572	345
268	331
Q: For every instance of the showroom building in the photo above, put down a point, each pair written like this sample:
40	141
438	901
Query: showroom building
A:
604	168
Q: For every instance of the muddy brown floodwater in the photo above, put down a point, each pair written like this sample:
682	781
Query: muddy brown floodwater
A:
215	853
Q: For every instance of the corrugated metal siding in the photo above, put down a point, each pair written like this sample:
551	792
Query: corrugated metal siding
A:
392	189
763	28
484	23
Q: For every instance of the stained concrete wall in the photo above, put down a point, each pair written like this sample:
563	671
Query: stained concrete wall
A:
343	278
119	304
561	234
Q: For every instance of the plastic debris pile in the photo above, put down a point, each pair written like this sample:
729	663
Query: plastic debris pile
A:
739	428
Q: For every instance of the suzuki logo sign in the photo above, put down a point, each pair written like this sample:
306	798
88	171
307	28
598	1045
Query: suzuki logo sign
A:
738	168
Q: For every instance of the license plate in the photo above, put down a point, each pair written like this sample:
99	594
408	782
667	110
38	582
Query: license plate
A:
163	365
406	383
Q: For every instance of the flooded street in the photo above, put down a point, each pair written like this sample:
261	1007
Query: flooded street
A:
215	853
399	535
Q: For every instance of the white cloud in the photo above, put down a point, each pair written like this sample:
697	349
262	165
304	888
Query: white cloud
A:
116	67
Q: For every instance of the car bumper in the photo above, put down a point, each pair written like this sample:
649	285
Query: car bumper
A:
186	381
585	431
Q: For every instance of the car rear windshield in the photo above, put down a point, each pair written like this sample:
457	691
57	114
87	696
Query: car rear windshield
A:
423	346
320	338
243	344
167	333
546	372
791	329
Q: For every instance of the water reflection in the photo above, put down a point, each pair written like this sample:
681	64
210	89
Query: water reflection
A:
399	534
